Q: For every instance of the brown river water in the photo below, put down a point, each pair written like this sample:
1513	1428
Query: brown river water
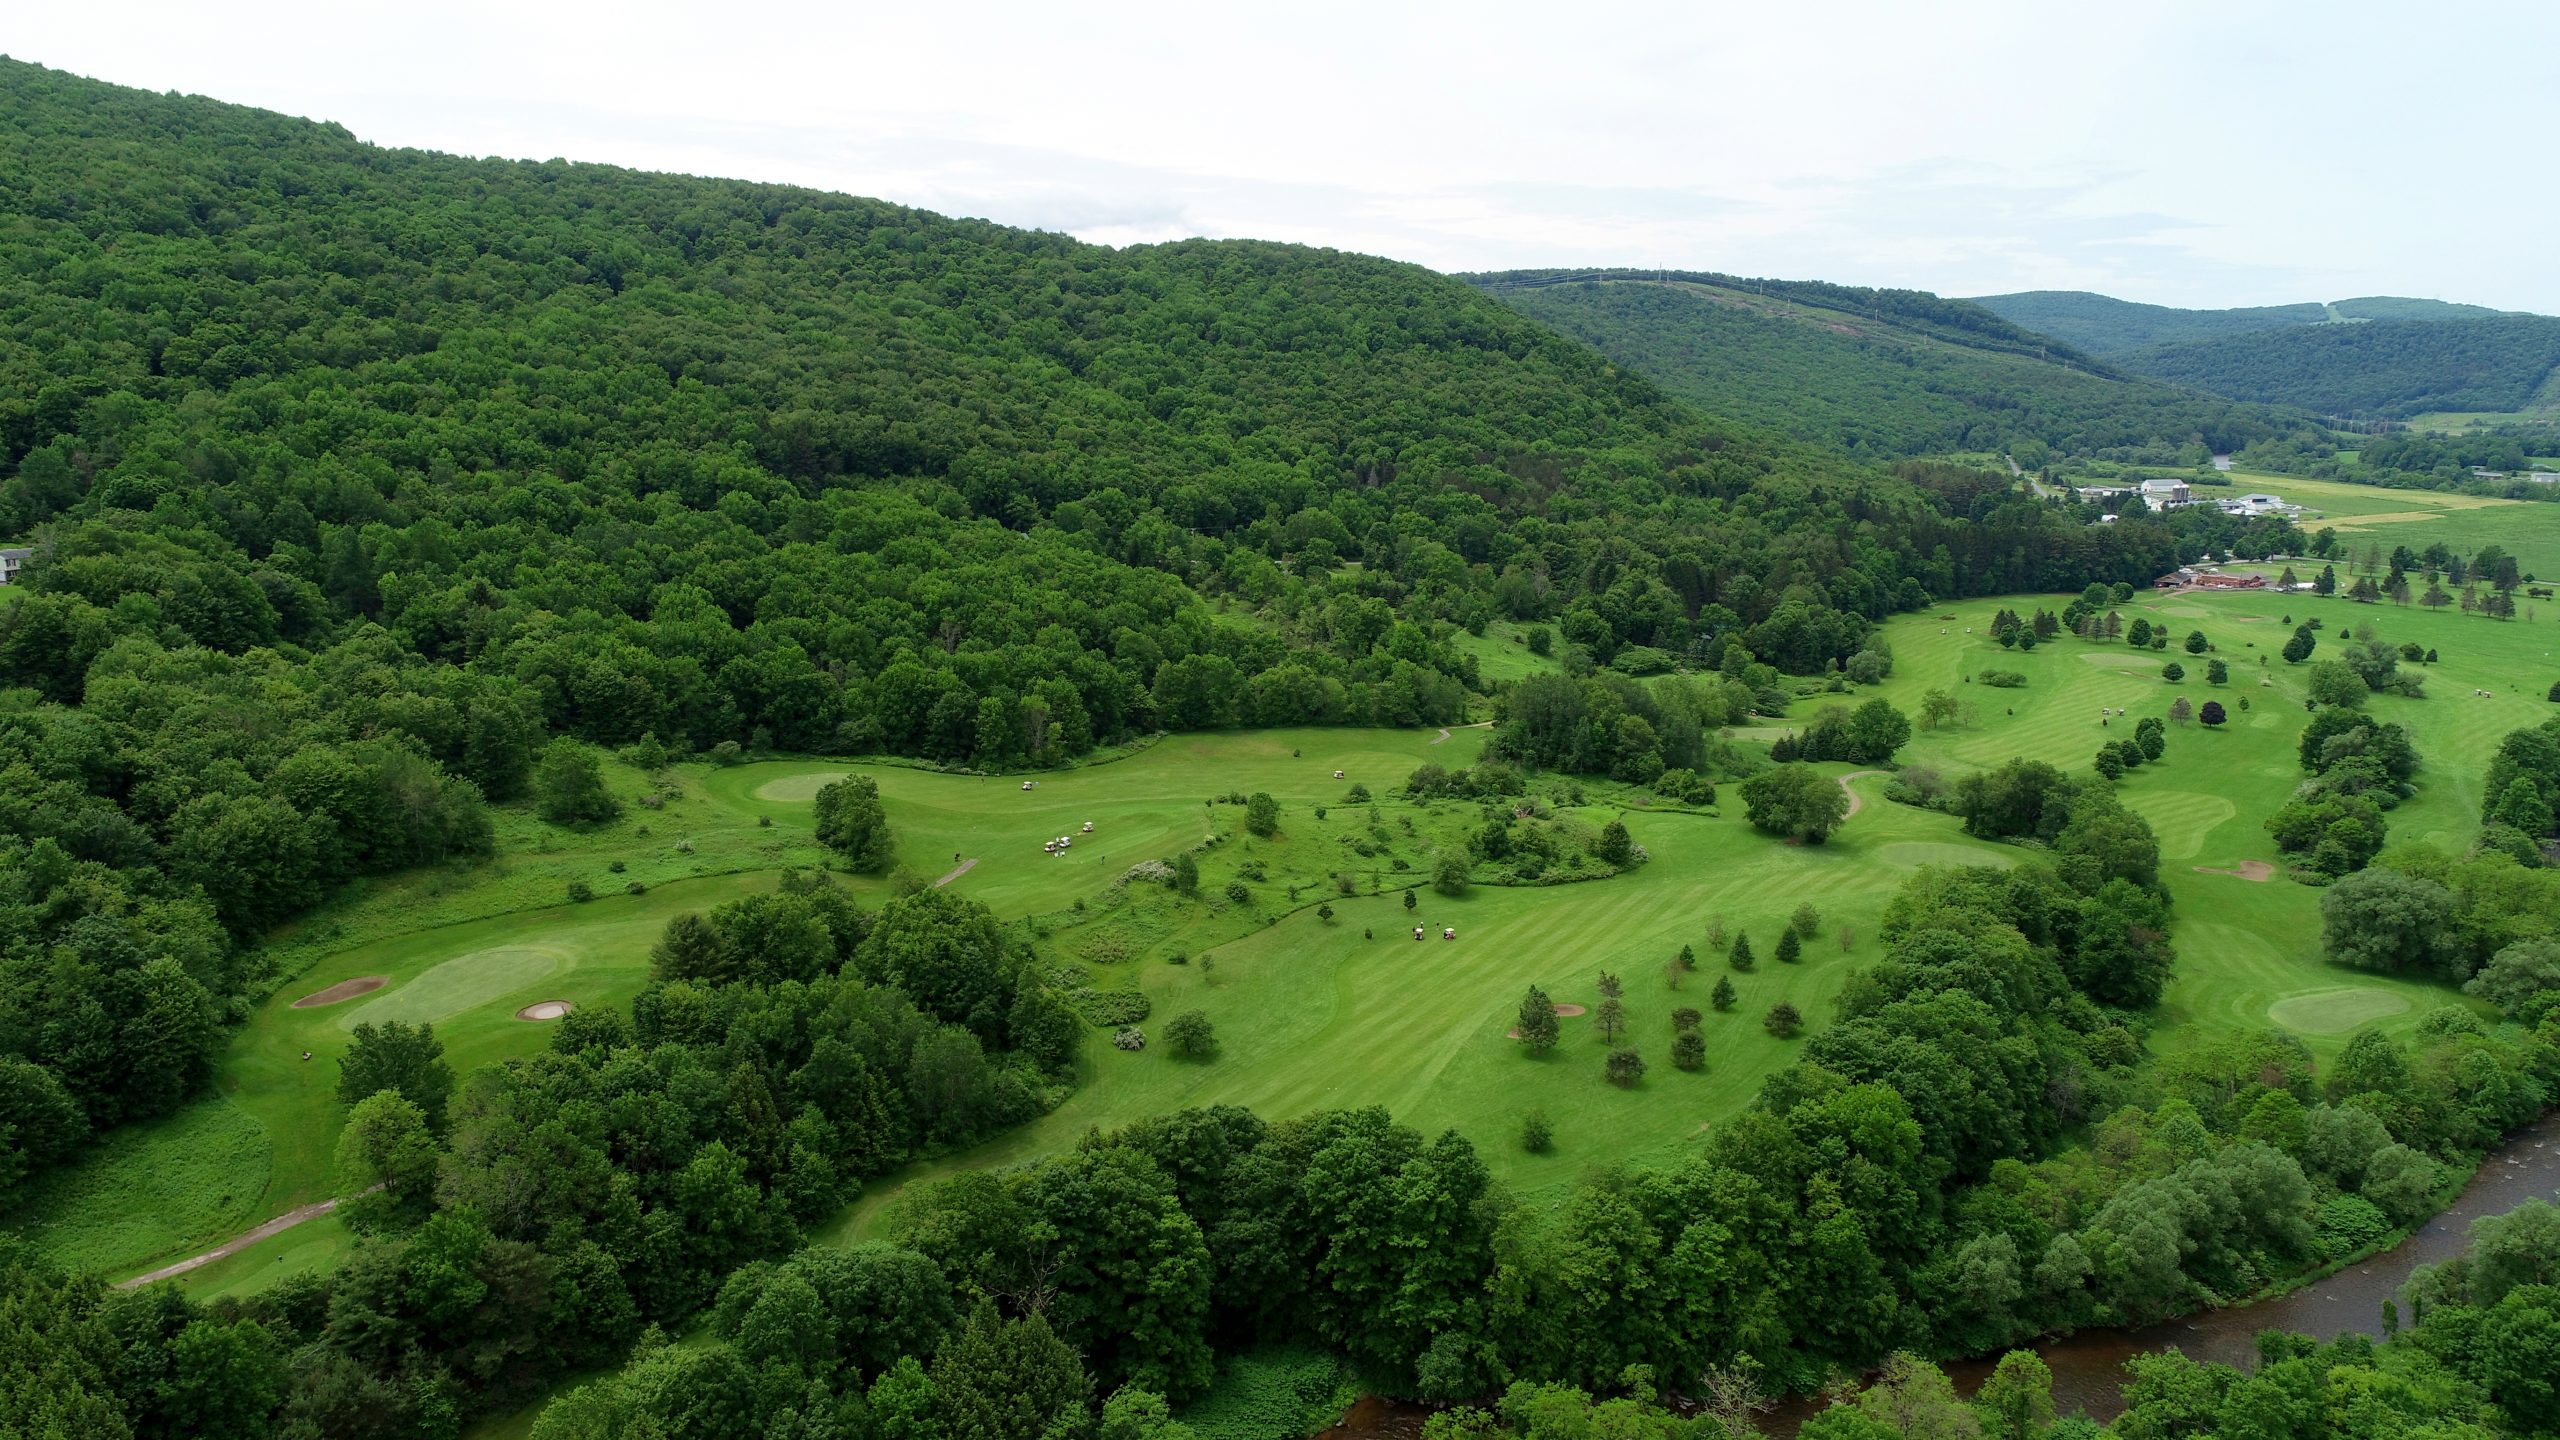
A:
2089	1366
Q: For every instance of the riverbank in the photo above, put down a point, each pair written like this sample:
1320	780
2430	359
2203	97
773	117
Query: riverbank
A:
2088	1366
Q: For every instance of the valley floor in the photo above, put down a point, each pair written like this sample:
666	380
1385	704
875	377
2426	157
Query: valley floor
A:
1314	1012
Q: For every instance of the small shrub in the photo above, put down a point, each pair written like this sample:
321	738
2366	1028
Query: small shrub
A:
1239	892
580	892
1107	1008
1784	1021
1688	1050
1148	872
1624	1067
635	888
1131	1038
725	753
616	866
1262	816
2003	679
764	822
1536	1135
1449	877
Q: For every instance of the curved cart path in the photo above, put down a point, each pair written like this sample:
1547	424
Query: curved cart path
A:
1857	802
234	1245
963	868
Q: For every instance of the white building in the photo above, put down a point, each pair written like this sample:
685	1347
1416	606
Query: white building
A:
11	562
2162	493
2259	505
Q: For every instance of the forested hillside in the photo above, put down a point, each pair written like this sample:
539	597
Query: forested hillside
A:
1890	373
356	476
2388	369
2104	325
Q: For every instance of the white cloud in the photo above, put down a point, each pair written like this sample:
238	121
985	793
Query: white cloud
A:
2188	152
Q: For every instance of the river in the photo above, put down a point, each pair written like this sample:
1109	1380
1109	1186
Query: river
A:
2089	1366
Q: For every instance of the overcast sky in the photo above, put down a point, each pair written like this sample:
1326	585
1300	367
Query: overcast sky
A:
2187	152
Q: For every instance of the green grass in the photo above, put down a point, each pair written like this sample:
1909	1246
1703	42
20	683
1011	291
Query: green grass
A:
2529	529
2248	951
1502	653
1313	1013
192	1179
464	947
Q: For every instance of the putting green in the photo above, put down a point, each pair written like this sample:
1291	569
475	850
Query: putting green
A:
801	788
2334	1012
460	984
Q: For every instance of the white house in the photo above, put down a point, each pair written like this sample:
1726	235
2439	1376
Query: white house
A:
2164	492
11	562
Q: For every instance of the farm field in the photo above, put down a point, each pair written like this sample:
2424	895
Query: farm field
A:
2529	529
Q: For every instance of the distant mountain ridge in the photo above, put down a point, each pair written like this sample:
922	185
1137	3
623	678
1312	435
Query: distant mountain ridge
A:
2106	326
1889	373
2383	369
1963	322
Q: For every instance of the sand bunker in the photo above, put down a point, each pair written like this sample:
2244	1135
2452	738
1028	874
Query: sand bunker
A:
2258	870
544	1010
1563	1012
343	990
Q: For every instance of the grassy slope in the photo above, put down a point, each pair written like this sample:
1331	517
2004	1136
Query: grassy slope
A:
2245	948
1314	1014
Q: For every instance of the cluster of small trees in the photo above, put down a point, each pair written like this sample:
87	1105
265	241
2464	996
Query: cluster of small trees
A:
2149	741
2359	769
1867	735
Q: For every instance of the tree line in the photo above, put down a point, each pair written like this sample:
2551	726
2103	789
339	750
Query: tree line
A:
358	478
